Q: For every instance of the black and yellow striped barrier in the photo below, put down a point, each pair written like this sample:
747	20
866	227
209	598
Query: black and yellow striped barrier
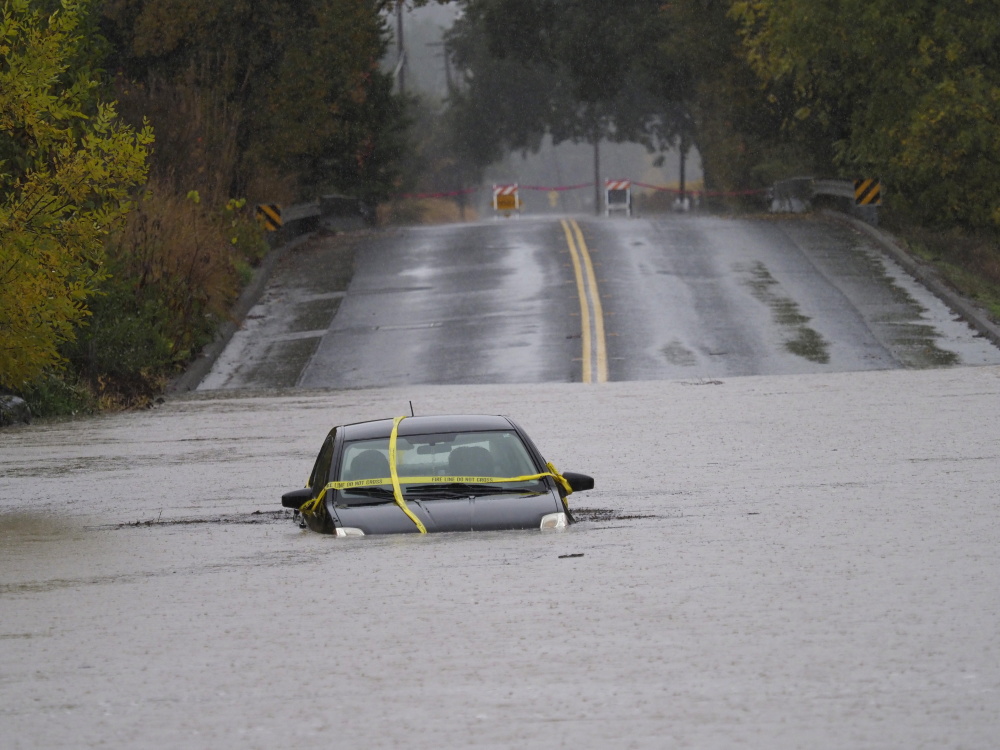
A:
868	192
269	215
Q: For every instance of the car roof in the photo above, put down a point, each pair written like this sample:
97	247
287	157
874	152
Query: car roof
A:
380	428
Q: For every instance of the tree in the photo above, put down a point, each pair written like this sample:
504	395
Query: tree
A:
67	166
503	103
565	68
906	90
291	88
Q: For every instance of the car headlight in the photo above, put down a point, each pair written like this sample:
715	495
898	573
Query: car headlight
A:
554	521
348	531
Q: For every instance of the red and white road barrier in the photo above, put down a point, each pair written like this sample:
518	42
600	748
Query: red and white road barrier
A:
506	198
618	196
507	190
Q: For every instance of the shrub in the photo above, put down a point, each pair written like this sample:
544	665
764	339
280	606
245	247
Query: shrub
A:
173	272
423	211
57	393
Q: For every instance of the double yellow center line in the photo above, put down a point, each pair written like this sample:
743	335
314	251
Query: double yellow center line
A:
595	352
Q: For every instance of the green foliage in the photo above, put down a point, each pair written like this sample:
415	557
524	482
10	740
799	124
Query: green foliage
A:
909	91
250	90
661	74
595	44
244	232
58	393
698	64
126	336
338	120
503	103
570	69
271	99
174	269
66	168
968	260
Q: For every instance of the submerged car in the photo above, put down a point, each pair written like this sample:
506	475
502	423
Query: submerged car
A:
429	474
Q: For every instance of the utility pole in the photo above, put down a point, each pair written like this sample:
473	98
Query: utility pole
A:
597	171
401	60
462	200
683	185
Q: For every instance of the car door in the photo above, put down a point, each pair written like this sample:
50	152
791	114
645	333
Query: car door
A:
320	474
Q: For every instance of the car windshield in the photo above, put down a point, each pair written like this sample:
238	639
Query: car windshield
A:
464	456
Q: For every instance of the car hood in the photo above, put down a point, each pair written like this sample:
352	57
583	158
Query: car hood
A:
483	513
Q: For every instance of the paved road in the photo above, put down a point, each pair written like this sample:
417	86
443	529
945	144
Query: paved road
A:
570	300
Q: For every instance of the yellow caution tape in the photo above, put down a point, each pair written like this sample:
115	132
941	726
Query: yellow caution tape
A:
396	491
309	506
559	478
349	485
396	481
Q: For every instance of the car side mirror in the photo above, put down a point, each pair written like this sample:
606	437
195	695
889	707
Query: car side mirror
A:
578	482
296	498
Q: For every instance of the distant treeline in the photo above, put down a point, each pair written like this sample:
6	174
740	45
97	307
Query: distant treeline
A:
904	90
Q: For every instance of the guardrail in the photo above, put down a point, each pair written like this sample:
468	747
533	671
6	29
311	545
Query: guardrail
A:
837	188
340	212
797	194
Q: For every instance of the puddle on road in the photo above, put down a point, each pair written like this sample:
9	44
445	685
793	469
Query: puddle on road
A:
809	345
914	344
887	298
677	354
917	342
805	342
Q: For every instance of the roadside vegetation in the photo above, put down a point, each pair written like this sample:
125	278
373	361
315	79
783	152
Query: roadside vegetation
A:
136	136
905	91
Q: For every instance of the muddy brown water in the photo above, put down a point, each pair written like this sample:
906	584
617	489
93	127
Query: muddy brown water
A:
781	562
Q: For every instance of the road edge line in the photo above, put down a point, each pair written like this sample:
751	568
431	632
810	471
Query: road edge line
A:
923	272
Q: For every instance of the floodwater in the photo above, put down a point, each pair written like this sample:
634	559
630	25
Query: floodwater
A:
775	562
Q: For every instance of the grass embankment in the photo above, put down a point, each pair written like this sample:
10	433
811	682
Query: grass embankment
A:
424	211
969	262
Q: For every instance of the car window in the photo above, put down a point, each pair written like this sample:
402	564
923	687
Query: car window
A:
321	469
498	454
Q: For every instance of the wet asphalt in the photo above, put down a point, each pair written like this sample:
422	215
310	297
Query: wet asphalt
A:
681	296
